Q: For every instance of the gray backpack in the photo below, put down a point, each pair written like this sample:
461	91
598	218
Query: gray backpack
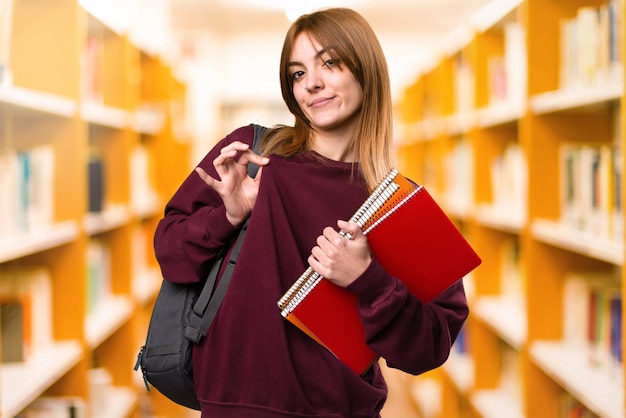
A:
181	317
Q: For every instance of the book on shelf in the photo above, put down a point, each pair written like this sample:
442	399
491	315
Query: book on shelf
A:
26	189
413	240
592	317
6	19
507	73
570	407
143	194
96	184
55	407
511	372
463	85
591	44
14	327
459	169
512	273
461	344
515	62
100	384
509	182
26	300
98	273
590	189
92	62
615	180
496	70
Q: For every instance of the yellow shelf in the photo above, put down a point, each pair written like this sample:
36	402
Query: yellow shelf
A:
507	92
491	403
602	393
109	315
21	383
101	97
22	245
579	242
16	99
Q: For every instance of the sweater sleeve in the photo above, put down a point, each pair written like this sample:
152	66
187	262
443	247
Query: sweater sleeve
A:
194	227
410	335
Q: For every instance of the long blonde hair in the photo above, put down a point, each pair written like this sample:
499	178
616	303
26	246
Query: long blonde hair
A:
357	47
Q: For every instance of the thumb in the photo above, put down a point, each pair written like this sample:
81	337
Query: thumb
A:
259	173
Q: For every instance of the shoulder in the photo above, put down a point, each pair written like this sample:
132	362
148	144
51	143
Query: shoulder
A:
247	133
243	134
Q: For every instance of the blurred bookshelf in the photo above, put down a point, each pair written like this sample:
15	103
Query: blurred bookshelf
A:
90	148
517	130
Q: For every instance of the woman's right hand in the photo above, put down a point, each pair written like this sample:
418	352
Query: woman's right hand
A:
237	190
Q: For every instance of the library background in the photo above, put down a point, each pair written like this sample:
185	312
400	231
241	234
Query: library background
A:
515	129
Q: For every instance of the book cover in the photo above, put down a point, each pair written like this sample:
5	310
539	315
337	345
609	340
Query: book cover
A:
32	287
6	19
13	330
96	184
412	239
56	407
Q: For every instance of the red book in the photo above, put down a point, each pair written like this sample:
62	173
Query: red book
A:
412	238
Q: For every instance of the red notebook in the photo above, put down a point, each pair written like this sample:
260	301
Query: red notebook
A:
412	238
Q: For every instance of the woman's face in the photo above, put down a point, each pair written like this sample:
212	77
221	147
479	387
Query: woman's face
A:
328	93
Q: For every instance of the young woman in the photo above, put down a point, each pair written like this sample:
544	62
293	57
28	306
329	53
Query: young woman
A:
312	177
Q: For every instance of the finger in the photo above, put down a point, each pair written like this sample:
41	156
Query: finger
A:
333	236
351	229
237	146
315	264
205	176
316	252
228	153
226	156
323	243
250	157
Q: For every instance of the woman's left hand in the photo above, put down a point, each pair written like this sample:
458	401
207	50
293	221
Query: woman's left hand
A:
339	259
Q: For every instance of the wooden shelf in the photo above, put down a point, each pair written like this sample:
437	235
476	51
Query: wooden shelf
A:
21	383
109	315
569	366
499	219
505	315
503	86
37	241
460	369
575	98
492	403
111	218
590	245
99	96
122	402
146	285
501	114
20	99
105	116
148	121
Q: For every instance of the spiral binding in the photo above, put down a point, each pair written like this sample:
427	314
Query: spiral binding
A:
381	200
392	210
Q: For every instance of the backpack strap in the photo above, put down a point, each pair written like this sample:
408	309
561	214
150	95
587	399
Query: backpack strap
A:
259	132
209	300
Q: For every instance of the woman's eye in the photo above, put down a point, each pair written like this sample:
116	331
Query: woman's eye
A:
330	63
297	75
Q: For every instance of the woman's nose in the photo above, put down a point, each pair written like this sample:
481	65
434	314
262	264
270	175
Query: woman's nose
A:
313	80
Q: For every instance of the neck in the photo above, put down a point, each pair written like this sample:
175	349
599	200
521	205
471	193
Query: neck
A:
333	145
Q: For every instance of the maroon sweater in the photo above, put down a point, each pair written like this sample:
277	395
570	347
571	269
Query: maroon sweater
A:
255	364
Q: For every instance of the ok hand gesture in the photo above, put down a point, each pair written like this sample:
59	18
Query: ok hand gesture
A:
235	187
